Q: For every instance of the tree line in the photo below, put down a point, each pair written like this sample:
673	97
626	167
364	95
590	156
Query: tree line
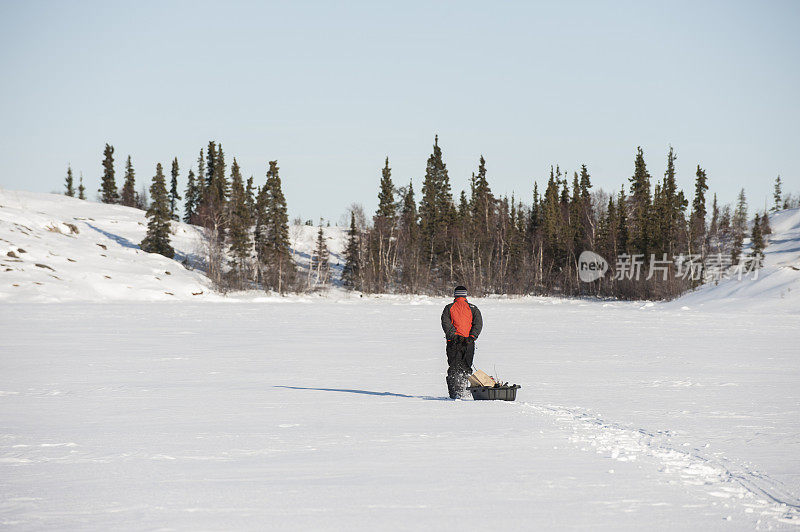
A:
501	245
493	244
245	227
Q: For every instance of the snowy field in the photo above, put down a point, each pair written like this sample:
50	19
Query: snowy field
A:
134	397
332	414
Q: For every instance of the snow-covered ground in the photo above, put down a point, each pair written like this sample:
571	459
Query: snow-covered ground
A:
777	287
65	249
150	407
333	415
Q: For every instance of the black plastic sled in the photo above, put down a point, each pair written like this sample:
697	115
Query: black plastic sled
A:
494	393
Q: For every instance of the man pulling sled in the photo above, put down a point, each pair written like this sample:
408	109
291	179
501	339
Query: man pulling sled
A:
462	323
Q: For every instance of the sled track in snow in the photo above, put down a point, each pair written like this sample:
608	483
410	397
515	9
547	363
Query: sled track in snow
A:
718	477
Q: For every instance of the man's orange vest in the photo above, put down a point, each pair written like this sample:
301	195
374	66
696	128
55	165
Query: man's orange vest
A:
461	316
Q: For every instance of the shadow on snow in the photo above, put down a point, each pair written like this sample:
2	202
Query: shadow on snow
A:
367	392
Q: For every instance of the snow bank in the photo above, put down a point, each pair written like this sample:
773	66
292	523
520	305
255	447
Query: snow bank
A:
777	288
54	248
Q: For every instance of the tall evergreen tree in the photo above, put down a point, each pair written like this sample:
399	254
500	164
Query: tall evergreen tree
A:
157	238
482	201
211	161
739	226
382	246
553	234
671	224
352	260
128	197
250	198
778	195
174	195
535	214
273	241
766	228
223	187
238	221
697	220
641	203
201	181
623	236
408	245
108	186
386	205
320	261
261	218
69	183
757	241
81	189
192	198
713	227
437	212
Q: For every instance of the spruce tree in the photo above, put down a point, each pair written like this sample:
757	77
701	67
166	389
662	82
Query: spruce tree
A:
212	202
482	202
192	199
351	270
211	161
463	208
250	199
238	221
274	227
713	228
108	186
757	241
553	235
766	228
697	220
260	234
608	232
437	212
739	226
386	213
201	183
535	214
223	187
408	246
640	206
128	197
623	233
69	183
778	195
671	210
174	195
277	212
575	228
320	261
81	189
157	238
381	247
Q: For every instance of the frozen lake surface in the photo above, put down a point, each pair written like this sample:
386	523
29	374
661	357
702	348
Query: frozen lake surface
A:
333	414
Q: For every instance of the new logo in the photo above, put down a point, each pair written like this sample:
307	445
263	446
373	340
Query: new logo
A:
591	266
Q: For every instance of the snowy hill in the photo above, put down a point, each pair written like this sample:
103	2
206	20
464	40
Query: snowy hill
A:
55	248
777	287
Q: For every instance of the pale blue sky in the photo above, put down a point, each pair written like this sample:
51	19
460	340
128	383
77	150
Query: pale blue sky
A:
329	89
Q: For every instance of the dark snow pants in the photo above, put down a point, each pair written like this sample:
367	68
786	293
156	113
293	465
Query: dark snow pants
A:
460	353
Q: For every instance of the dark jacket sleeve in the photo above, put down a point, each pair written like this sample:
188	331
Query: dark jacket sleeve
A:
477	322
447	325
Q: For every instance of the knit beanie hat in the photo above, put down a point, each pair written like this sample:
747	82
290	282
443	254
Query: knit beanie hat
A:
460	291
